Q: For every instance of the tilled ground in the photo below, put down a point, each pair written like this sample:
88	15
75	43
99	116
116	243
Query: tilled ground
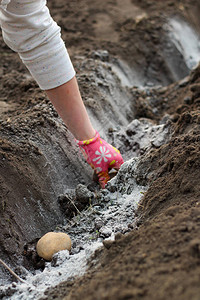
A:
159	259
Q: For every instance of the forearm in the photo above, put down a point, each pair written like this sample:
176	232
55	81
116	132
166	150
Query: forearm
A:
28	29
69	105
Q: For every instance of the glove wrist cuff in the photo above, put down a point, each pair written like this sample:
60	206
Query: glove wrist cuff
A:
90	141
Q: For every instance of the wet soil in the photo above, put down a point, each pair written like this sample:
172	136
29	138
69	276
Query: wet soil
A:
39	160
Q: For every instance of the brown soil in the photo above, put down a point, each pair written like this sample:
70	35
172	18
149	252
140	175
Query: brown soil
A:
160	259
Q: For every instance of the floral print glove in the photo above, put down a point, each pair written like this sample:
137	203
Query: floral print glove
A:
101	156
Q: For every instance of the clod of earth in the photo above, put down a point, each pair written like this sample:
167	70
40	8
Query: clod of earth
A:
51	243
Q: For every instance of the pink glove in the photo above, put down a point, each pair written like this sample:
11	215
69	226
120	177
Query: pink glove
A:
101	156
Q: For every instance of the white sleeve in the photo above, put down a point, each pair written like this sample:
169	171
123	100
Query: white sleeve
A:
28	29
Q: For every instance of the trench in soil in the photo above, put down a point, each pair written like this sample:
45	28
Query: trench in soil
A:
103	213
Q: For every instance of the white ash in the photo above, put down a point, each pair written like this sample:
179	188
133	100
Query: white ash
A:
111	212
139	136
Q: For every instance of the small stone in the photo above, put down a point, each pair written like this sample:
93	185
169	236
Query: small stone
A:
51	243
98	223
14	284
83	195
105	232
111	188
187	100
130	225
118	236
165	119
194	247
103	55
107	243
184	81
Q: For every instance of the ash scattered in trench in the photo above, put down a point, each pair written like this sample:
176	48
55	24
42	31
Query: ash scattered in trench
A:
107	213
111	211
141	135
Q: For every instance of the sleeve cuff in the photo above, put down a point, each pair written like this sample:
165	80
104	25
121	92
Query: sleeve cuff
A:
50	70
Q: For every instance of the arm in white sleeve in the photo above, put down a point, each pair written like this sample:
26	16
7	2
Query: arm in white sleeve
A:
28	29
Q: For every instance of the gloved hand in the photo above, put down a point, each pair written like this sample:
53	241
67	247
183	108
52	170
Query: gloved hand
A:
101	156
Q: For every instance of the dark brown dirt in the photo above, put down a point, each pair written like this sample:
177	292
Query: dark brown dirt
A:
160	259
